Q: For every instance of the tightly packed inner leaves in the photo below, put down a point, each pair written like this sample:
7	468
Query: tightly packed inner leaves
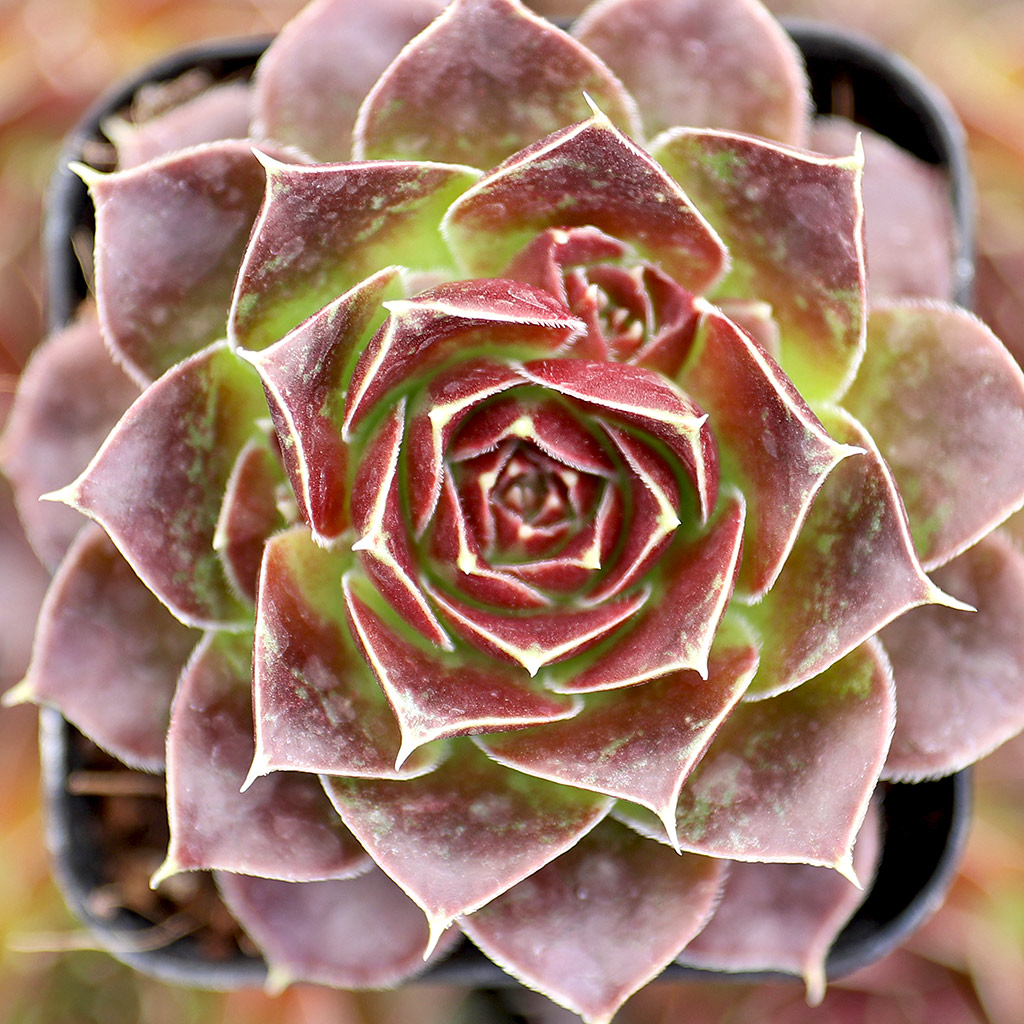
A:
508	518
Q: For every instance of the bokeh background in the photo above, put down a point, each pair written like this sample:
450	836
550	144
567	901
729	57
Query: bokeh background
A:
965	967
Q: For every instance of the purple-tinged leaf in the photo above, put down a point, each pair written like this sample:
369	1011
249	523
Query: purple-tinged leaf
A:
458	558
421	332
486	79
383	541
107	654
794	225
458	837
958	675
248	516
785	917
852	570
754	317
676	629
55	426
589	175
640	743
655	514
282	826
434	699
217	112
643	400
361	932
157	484
536	639
789	779
555	250
323	229
317	706
450	397
309	84
169	238
600	921
945	402
545	423
707	63
909	225
305	375
772	446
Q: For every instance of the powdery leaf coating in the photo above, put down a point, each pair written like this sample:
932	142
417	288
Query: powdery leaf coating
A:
107	654
789	779
458	837
282	826
316	706
909	231
772	445
248	516
639	744
486	79
588	175
217	112
793	223
944	400
305	376
55	426
852	570
600	921
323	229
785	917
361	932
169	238
435	699
157	483
706	63
312	79
958	674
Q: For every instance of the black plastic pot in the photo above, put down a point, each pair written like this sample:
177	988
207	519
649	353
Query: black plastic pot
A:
925	823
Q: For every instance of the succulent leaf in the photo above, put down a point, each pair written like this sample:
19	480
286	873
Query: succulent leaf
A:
317	707
434	699
465	833
312	79
789	779
486	79
322	229
55	426
852	570
773	447
705	63
598	922
793	223
169	238
305	376
157	484
945	402
785	917
664	725
248	516
958	674
588	175
281	827
102	631
361	932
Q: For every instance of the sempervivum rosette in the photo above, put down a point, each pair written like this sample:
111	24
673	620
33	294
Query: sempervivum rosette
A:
543	496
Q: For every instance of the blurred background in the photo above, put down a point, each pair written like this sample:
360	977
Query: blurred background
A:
965	966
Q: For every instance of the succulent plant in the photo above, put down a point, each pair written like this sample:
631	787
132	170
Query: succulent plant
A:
517	525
